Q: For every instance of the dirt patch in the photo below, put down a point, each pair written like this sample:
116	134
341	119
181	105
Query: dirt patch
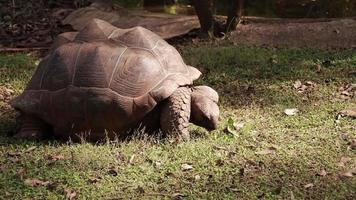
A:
336	33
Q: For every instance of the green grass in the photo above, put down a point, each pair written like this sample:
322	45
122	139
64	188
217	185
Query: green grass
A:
255	86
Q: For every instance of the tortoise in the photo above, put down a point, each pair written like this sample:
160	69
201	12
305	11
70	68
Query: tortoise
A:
104	81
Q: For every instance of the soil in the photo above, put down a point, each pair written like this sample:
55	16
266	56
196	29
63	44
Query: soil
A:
309	33
40	26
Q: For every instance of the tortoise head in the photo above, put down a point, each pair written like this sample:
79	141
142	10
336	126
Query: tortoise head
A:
205	110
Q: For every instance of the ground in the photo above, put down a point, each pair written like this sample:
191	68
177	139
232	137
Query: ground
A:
310	33
258	152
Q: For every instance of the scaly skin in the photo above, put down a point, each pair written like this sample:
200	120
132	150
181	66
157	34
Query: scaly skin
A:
175	114
31	128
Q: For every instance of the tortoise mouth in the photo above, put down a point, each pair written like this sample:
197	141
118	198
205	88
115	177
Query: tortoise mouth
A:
213	124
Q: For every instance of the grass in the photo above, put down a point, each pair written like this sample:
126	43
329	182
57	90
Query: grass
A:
255	86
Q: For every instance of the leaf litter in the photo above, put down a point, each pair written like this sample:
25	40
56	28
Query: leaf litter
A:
269	150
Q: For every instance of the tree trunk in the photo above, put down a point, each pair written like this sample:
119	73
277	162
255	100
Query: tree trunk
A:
205	15
234	15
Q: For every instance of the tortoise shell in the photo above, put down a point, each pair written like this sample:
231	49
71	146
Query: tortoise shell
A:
103	78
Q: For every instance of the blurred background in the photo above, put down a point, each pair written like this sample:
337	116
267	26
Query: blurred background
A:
263	8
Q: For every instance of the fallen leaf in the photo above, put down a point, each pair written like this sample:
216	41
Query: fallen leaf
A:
347	174
6	94
309	185
239	126
140	190
186	167
219	162
30	149
54	158
242	171
353	144
157	164
70	194
113	172
322	173
344	136
269	150
302	89
132	158
310	83
120	156
94	180
343	161
318	68
351	112
297	84
20	173
14	159
177	196
14	154
2	168
36	182
291	111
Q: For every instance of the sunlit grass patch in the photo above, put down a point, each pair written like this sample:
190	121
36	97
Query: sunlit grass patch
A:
268	155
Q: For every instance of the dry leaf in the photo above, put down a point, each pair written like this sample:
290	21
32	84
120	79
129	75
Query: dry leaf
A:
21	172
140	190
54	158
94	180
132	158
347	174
70	194
345	93
309	185
291	111
177	196
310	84
14	154
14	159
30	149
219	162
2	168
35	182
239	126
8	194
302	89
269	150
343	161
318	68
186	167
351	112
113	172
322	173
297	84
157	164
120	156
344	136
353	144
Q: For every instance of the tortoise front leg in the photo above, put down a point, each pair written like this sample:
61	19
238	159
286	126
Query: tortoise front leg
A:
31	128
175	114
